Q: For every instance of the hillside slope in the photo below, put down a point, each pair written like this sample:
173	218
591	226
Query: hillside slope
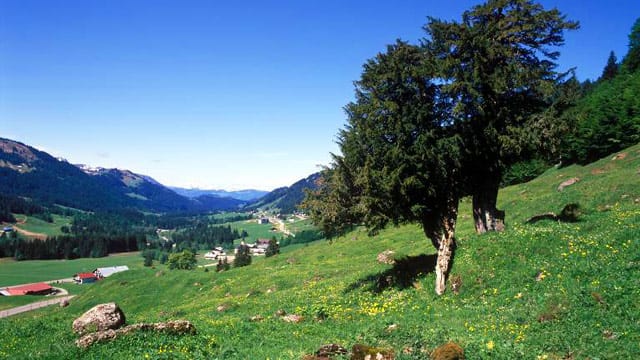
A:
286	199
547	290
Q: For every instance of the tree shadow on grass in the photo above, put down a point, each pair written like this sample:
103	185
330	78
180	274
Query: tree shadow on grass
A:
401	276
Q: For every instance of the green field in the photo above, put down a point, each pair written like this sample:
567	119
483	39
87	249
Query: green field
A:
547	290
42	227
22	272
255	230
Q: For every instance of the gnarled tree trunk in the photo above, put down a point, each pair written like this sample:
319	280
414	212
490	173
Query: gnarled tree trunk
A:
440	229
486	216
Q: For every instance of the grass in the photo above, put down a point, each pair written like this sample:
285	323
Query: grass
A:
39	226
547	290
22	272
255	230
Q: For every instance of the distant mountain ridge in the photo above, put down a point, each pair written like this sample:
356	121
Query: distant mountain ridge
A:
244	195
28	172
285	200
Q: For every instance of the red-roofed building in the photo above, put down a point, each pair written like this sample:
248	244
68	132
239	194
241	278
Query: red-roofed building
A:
85	278
31	289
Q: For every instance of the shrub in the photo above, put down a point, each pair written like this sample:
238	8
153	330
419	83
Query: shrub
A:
185	260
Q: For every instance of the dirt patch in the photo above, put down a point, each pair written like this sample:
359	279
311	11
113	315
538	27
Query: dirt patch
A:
33	235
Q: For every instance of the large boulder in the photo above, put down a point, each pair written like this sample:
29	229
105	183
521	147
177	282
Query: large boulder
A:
99	318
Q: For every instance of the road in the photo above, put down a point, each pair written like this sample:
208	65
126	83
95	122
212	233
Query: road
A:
33	306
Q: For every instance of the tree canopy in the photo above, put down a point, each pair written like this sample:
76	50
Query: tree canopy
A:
433	122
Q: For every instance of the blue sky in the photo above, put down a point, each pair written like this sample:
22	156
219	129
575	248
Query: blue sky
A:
220	94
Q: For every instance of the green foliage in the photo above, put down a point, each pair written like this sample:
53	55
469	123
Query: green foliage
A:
148	255
243	256
524	171
631	62
185	260
606	120
273	248
400	162
611	69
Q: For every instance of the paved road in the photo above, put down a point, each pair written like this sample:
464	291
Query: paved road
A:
33	306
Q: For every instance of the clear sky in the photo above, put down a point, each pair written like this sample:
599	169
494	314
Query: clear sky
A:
220	94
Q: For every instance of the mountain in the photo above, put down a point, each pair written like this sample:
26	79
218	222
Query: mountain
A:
28	172
244	195
285	200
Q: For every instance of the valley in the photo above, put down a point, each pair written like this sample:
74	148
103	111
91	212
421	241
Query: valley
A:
522	294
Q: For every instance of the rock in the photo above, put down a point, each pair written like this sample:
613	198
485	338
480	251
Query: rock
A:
280	313
177	327
364	352
256	318
566	183
619	156
159	273
292	318
99	318
392	327
64	303
88	340
330	350
448	351
387	257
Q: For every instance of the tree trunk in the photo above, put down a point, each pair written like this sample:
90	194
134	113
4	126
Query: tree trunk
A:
445	257
486	216
440	227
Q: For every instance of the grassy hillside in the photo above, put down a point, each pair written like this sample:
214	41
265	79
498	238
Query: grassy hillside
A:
547	290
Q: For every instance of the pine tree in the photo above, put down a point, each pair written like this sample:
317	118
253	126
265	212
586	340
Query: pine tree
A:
611	69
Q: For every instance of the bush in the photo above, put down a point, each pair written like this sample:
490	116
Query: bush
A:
185	260
524	171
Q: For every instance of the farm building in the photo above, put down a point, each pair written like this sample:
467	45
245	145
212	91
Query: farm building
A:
30	289
108	271
85	278
263	220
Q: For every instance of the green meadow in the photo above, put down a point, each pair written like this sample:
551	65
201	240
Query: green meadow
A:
547	290
23	272
39	226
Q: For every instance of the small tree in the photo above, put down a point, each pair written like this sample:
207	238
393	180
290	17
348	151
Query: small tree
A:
185	260
273	248
243	256
611	69
148	256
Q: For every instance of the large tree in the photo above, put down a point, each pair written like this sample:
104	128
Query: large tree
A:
498	67
400	156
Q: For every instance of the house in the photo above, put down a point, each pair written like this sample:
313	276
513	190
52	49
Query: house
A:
263	220
215	254
85	278
30	289
7	229
108	271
